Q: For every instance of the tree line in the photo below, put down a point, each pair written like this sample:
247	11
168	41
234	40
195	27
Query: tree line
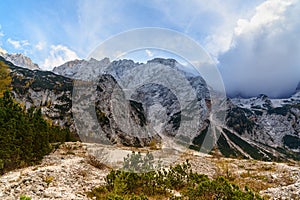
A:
25	136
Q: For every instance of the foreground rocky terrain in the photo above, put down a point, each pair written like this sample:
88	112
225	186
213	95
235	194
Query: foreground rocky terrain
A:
70	171
64	174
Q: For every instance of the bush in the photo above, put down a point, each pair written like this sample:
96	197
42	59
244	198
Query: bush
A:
159	184
23	197
136	163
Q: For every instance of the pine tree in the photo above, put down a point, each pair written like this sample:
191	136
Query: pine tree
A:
24	135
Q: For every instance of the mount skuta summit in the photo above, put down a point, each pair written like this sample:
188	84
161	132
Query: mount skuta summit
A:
257	127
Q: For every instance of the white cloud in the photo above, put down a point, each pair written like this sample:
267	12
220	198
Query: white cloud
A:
216	44
18	44
59	54
266	14
264	57
40	46
149	53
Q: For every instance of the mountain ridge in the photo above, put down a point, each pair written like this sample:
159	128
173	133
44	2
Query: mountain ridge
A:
259	127
19	59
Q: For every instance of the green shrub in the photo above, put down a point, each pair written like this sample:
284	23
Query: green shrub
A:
158	184
24	197
136	163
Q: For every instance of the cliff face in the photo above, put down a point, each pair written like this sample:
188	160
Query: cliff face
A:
121	90
269	127
97	120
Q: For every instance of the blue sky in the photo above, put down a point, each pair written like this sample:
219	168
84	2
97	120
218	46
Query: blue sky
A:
243	37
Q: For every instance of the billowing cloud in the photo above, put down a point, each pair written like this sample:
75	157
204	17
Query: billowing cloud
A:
264	53
59	54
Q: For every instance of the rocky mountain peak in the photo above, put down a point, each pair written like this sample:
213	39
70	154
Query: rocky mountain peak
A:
82	69
19	59
262	96
72	63
168	61
104	60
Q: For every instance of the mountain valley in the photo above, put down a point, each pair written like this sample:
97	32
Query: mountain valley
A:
88	97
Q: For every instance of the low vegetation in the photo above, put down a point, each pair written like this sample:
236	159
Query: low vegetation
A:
24	197
255	174
176	182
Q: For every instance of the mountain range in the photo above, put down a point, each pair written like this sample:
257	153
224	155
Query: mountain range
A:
257	127
19	60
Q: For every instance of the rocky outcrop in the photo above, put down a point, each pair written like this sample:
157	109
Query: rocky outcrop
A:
64	174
